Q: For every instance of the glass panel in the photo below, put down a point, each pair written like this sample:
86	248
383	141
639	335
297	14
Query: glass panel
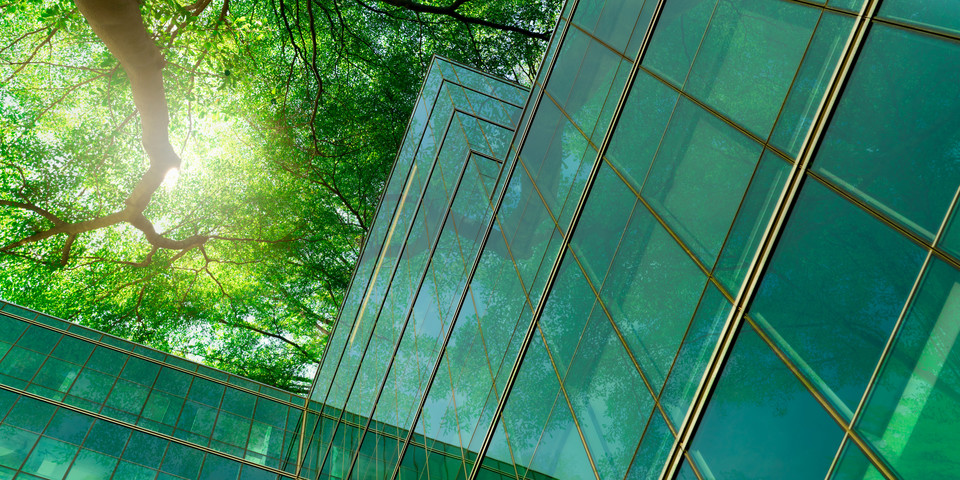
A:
608	397
602	223
811	81
854	465
68	426
30	414
882	128
910	416
699	176
698	345
677	37
749	57
39	339
944	15
761	422
50	458
653	451
835	261
752	219
91	465
651	293
640	127
566	312
15	444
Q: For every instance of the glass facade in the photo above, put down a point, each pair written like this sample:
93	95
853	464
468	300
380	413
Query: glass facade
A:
715	239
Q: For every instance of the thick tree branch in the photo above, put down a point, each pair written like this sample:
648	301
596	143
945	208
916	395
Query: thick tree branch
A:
451	11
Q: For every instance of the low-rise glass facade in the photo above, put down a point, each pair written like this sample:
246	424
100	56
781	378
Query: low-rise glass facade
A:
715	239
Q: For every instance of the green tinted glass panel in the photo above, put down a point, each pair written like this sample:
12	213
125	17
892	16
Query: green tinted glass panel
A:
854	465
699	176
30	414
173	381
106	360
50	458
141	371
39	339
761	422
911	414
15	445
943	15
219	468
91	465
751	222
835	261
698	344
749	57
651	293
73	350
887	145
676	38
640	127
106	437
145	449
68	426
127	396
608	397
602	224
12	329
182	460
811	82
566	313
653	451
92	385
205	391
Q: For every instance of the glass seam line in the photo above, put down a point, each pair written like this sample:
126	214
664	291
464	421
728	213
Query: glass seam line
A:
763	253
396	264
152	360
519	137
511	379
383	383
140	429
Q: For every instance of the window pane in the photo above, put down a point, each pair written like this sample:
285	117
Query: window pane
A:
761	422
942	15
911	415
894	149
640	127
699	176
651	293
749	57
833	290
677	36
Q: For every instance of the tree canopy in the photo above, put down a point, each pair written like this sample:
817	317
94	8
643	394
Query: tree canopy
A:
199	178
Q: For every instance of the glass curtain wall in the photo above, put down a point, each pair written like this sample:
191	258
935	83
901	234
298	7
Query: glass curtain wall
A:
726	247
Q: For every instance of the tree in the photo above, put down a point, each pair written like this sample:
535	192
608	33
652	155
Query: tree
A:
199	177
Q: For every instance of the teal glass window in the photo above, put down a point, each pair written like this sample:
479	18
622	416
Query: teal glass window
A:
91	465
761	422
50	458
653	451
30	414
642	122
15	445
749	57
106	360
68	426
698	345
601	224
608	397
911	413
944	15
651	293
39	339
106	437
835	261
854	465
699	177
889	146
145	449
751	222
677	37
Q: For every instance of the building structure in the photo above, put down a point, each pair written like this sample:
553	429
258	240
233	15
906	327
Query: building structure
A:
715	240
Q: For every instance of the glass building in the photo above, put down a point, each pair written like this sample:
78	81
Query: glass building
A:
715	240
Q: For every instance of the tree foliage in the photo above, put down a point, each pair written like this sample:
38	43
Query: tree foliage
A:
199	177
